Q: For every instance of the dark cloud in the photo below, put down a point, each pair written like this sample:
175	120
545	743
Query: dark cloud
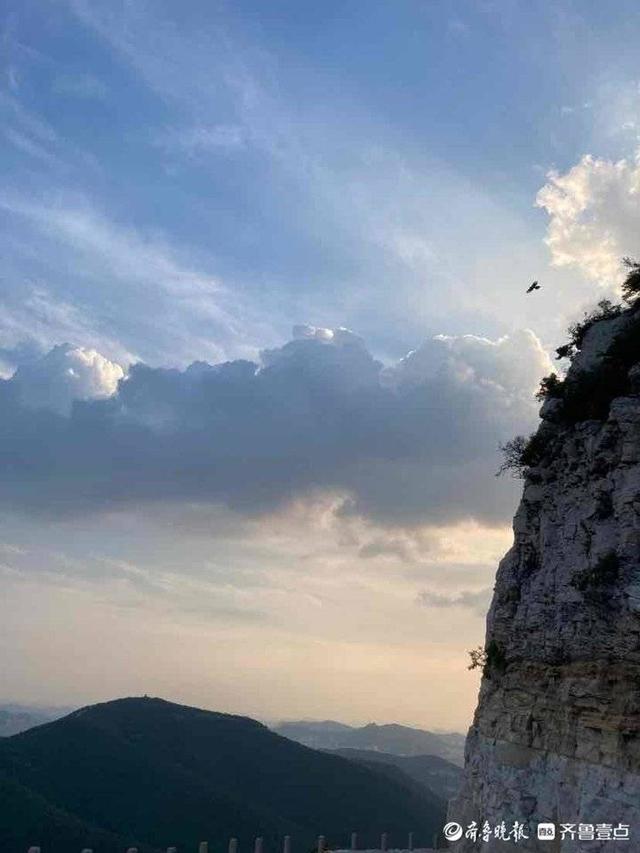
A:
405	445
381	547
477	600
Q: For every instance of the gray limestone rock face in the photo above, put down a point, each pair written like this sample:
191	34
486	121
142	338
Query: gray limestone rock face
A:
556	734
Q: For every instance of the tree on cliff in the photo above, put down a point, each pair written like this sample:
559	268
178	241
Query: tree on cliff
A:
631	284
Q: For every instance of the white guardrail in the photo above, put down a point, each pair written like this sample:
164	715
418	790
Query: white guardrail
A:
258	846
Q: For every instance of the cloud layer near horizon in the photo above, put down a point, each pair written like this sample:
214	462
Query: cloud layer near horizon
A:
402	445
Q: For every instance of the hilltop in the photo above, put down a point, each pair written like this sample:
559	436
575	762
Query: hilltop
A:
152	773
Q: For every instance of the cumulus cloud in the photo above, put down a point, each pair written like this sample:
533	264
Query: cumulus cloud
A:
305	331
594	211
398	445
66	374
498	366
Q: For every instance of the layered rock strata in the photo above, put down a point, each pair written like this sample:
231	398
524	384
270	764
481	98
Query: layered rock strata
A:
556	735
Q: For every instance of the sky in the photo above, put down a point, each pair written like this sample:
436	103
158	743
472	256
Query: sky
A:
263	328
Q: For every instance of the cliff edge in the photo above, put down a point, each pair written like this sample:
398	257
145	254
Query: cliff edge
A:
556	734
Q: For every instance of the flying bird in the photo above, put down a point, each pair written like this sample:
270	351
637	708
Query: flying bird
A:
532	287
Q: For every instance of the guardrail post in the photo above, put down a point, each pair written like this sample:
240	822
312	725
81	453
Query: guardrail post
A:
203	847
383	842
321	844
286	845
257	847
410	841
233	845
354	840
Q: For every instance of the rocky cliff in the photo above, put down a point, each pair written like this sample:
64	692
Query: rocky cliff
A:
556	735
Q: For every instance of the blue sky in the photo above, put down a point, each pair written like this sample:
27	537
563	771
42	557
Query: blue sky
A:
298	159
186	182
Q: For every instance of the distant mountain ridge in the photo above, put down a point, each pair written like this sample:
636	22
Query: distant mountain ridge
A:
18	718
437	774
148	773
389	738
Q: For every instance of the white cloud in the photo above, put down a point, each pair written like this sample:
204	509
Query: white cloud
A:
389	219
126	269
66	374
511	366
125	252
306	331
33	320
594	211
28	146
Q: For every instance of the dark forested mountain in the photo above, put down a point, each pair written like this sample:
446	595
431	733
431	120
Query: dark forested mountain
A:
437	774
390	738
151	773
